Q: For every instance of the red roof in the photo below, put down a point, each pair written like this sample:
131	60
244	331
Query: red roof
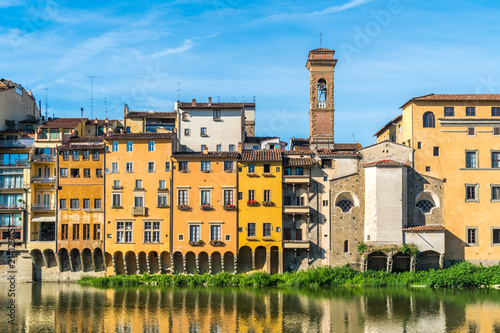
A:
143	114
347	146
297	152
85	146
434	227
189	105
86	138
210	154
129	136
455	97
385	163
63	123
299	161
261	155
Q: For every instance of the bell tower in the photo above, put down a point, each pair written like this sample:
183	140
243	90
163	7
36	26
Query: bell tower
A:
321	65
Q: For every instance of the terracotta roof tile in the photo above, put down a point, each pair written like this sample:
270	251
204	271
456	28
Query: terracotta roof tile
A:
261	155
297	152
144	114
189	105
385	163
455	97
299	161
331	152
63	123
86	139
75	146
347	146
434	227
210	154
129	136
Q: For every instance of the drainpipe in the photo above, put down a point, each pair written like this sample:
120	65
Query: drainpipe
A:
171	232
57	197
329	225
104	206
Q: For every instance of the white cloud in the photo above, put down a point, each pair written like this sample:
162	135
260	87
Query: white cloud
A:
186	45
10	3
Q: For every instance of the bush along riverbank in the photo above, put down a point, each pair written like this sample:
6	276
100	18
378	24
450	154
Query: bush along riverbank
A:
460	275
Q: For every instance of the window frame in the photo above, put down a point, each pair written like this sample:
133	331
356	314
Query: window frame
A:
475	235
495	161
151	145
130	146
474	153
495	111
428	120
449	111
470	111
476	192
114	146
251	226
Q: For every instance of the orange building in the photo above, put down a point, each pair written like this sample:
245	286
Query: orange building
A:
205	227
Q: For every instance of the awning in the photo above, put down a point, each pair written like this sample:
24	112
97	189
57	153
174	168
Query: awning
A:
44	219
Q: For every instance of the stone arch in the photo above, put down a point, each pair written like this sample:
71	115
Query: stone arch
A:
229	262
37	259
108	259
245	263
50	258
260	258
426	198
377	261
203	265
98	260
216	262
119	263
165	262
75	260
401	262
142	261
130	263
346	200
427	260
154	265
87	260
428	119
190	262
64	263
178	262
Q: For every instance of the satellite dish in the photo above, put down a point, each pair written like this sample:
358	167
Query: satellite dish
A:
313	155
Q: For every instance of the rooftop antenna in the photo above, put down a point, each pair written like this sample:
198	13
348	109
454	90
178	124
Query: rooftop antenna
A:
353	137
254	99
92	94
46	105
321	40
113	103
218	99
105	108
179	92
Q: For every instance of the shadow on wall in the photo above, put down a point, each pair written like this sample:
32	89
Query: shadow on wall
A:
454	245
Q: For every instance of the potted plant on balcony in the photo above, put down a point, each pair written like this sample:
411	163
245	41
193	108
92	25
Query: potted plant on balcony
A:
184	207
215	242
267	203
252	203
196	243
206	207
116	206
162	206
229	206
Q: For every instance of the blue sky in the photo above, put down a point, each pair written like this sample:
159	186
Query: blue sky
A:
388	51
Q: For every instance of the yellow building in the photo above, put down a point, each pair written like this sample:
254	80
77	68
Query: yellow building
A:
137	202
260	211
205	213
391	131
148	122
455	138
81	204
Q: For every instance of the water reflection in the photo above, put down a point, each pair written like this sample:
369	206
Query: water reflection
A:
52	307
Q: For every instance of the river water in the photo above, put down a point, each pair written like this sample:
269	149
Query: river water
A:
69	307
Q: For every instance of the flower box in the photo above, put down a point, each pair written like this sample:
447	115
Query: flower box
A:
162	206
216	243
183	207
206	207
252	174
116	207
268	174
267	203
198	243
229	207
206	171
252	203
162	189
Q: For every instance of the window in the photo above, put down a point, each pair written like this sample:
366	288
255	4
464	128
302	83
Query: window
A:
127	129
425	205
162	184
345	205
194	233
74	203
86	203
114	167
76	155
129	167
65	155
205	166
186	132
203	148
76	231
267	195
217	114
114	146
138	184
251	195
62	204
470	111
496	236
75	173
267	168
129	145
124	232
495	159
97	203
218	148
496	131
117	199
427	168
346	246
151	166
205	197
86	173
251	230
151	232
85	155
228	197
287	171
231	147
240	195
228	166
251	168
419	145
116	184
97	231
86	231
495	193
182	197
470	159
64	231
151	146
299	171
429	120
185	116
183	166
162	200
471	131
495	111
63	172
471	193
215	232
471	236
203	131
167	166
449	111
266	230
436	151
227	238
255	147
325	203
181	237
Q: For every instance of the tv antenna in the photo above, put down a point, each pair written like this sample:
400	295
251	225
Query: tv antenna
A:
321	40
46	104
105	108
179	92
92	94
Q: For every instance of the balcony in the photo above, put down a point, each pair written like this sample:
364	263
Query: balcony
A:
43	158
289	209
139	211
295	179
14	207
13	186
44	180
43	207
296	244
22	163
16	143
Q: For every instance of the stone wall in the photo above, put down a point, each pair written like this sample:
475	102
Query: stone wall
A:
417	184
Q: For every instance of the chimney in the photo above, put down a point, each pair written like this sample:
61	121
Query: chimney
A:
193	103
125	110
205	150
240	147
210	101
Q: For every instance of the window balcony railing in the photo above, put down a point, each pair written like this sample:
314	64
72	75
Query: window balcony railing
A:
44	180
322	104
42	207
295	244
139	211
15	163
16	143
43	158
12	185
13	207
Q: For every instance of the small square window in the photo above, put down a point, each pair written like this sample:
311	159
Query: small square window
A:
471	131
325	203
496	131
181	237
231	147
470	111
495	111
186	132
325	178
419	145
449	111
203	131
471	192
218	148
227	237
427	168
436	151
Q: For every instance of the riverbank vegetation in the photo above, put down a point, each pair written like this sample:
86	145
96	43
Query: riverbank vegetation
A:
462	274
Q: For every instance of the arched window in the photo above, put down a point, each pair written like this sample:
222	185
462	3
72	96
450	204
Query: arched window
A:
346	246
345	205
321	93
425	205
429	120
